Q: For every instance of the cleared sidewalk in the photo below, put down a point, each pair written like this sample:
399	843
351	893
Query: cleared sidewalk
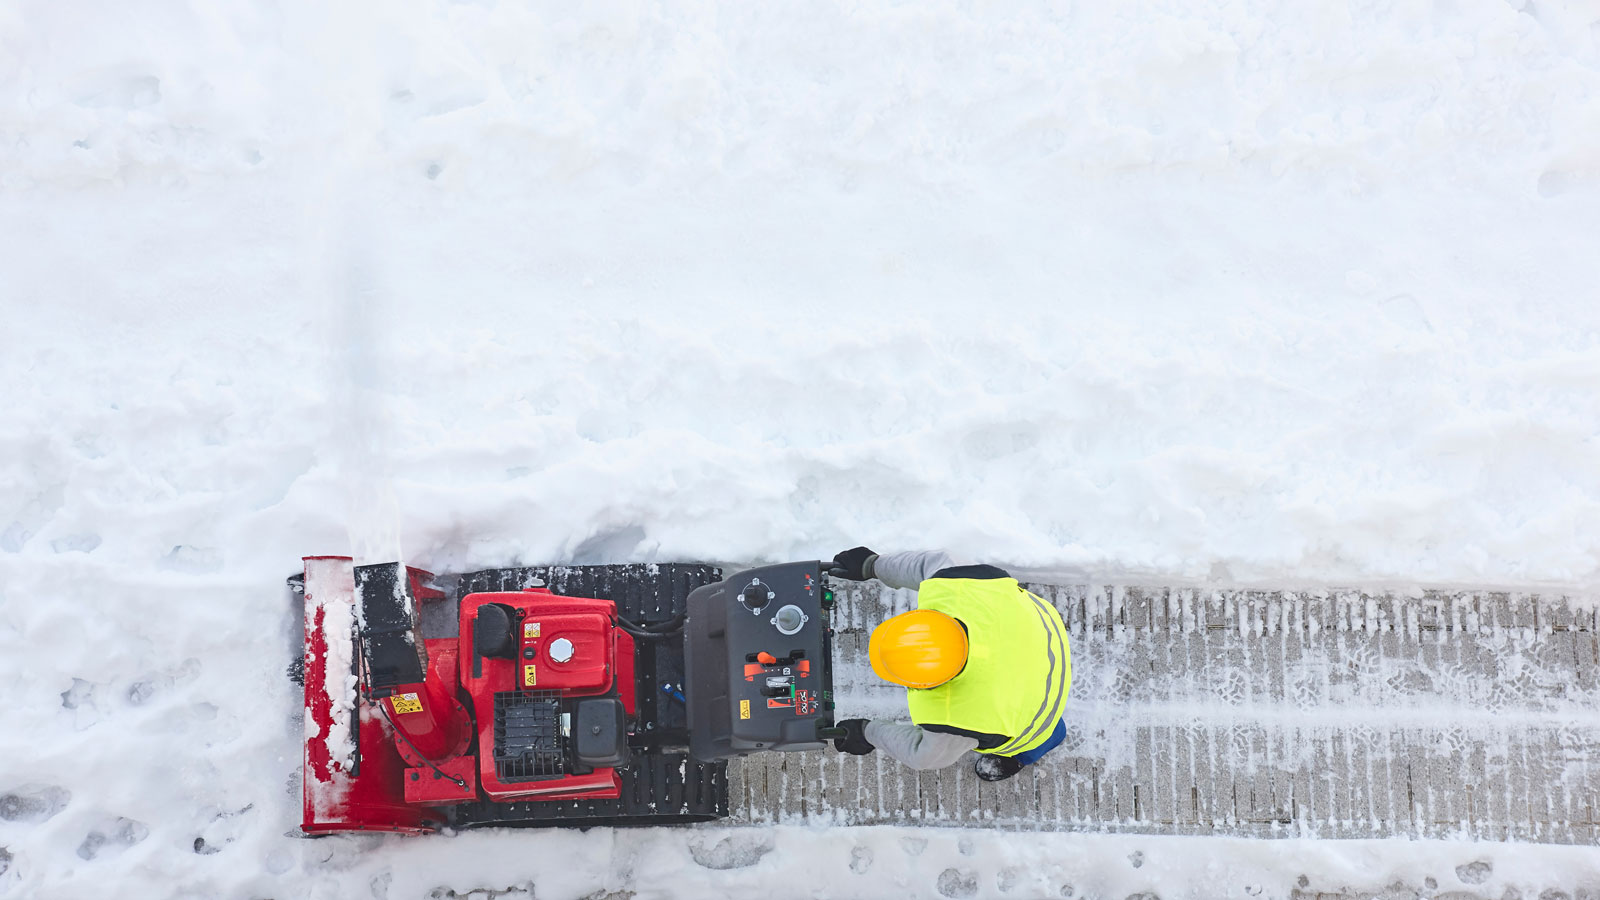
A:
1256	714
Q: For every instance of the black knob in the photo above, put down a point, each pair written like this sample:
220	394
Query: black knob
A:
756	597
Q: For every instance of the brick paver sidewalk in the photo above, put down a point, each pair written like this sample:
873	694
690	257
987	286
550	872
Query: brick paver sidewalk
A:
1257	713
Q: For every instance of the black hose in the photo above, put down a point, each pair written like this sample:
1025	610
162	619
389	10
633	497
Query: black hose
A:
655	632
673	624
650	635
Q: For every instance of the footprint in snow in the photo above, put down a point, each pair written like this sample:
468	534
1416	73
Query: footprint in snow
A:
736	851
224	828
860	860
141	691
958	883
112	838
1011	878
33	803
913	846
80	694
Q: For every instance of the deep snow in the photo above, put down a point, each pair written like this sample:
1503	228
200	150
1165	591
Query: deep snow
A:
1232	293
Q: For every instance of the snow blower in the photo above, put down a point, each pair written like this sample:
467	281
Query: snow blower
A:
552	695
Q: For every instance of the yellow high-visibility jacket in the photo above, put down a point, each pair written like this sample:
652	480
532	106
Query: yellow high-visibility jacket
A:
1019	667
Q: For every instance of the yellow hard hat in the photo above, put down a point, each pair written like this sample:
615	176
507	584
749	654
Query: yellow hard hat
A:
918	649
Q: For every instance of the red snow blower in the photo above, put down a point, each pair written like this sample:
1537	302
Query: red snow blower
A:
551	695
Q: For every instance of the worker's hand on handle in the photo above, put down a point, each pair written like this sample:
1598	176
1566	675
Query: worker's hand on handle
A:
855	564
855	740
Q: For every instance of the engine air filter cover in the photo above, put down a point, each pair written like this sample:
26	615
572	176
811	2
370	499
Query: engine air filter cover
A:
528	745
600	733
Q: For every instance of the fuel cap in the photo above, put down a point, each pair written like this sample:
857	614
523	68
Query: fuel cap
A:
560	650
789	619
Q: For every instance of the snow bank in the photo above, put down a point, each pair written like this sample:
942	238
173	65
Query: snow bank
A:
1247	293
940	863
1252	295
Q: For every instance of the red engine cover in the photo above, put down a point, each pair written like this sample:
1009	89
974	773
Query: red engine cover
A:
574	650
584	665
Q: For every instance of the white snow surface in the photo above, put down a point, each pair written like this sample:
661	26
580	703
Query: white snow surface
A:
1225	292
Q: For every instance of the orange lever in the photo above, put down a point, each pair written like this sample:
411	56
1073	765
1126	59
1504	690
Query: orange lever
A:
766	659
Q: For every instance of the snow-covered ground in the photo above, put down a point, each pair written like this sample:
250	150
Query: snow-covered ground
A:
1200	293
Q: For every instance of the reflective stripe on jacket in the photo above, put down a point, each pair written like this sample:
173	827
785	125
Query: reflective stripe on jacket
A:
1019	667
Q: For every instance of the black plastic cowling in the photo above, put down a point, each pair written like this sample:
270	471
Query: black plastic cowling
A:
493	634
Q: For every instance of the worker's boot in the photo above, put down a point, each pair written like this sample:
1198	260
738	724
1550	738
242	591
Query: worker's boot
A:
996	768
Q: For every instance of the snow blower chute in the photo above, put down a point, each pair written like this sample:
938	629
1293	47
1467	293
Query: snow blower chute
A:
552	695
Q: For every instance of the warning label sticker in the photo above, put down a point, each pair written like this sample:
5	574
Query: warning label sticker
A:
805	703
530	630
744	709
530	676
405	703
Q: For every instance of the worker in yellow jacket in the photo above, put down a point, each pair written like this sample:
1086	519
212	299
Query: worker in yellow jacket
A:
985	665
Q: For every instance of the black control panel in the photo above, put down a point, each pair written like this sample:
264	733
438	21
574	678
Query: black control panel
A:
758	660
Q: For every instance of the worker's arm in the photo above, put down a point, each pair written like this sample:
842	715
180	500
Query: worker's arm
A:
909	568
916	748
